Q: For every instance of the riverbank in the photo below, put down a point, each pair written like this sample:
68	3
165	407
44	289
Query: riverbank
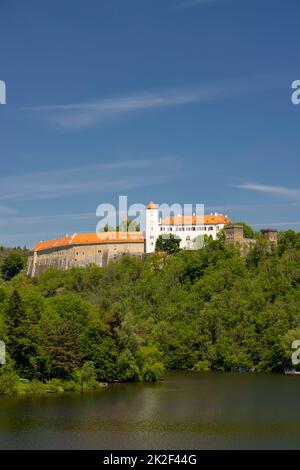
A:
83	379
36	387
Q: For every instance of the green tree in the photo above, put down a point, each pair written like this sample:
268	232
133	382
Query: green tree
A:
150	363
86	375
288	240
169	244
8	380
12	265
61	350
127	368
15	314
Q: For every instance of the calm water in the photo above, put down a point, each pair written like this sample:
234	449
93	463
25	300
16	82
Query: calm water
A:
188	410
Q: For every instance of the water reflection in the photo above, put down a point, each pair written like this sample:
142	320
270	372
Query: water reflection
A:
187	410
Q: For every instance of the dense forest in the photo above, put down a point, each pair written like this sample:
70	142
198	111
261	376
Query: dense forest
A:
206	309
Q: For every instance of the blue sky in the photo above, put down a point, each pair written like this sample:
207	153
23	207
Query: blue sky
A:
167	100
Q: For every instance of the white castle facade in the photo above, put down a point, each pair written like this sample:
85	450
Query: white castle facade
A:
189	228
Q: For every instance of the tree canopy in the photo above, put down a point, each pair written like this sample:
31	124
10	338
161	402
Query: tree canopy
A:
169	244
12	264
205	309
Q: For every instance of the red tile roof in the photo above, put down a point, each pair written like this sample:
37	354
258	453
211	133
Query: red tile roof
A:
151	205
91	239
196	220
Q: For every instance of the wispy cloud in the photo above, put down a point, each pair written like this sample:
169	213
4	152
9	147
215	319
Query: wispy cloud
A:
40	220
84	115
26	239
278	224
98	179
245	208
4	211
276	190
192	3
127	104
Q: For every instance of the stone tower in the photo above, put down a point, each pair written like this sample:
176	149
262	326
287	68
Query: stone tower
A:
271	234
234	233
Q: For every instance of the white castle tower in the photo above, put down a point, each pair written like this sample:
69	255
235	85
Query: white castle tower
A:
152	227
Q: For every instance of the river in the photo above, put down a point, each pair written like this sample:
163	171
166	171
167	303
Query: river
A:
188	410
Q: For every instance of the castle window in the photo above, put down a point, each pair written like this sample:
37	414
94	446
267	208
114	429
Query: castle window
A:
210	228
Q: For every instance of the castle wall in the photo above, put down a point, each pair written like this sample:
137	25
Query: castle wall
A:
81	255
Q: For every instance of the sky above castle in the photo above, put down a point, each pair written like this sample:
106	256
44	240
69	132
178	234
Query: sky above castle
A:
168	100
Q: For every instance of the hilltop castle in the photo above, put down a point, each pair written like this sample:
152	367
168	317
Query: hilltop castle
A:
187	227
104	247
84	249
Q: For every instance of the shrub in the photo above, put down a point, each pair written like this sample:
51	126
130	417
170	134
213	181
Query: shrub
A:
8	380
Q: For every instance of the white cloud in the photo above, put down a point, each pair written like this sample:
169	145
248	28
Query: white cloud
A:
275	190
4	210
31	220
125	104
85	115
82	115
117	176
277	224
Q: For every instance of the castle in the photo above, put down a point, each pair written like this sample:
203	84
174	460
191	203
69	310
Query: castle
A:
84	249
186	227
104	247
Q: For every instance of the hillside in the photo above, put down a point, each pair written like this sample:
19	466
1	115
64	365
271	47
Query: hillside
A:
205	309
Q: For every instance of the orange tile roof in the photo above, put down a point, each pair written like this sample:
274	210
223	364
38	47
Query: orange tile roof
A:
151	205
90	239
196	220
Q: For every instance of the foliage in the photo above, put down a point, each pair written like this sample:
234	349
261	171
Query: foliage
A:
209	309
169	244
86	376
8	380
12	265
127	225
